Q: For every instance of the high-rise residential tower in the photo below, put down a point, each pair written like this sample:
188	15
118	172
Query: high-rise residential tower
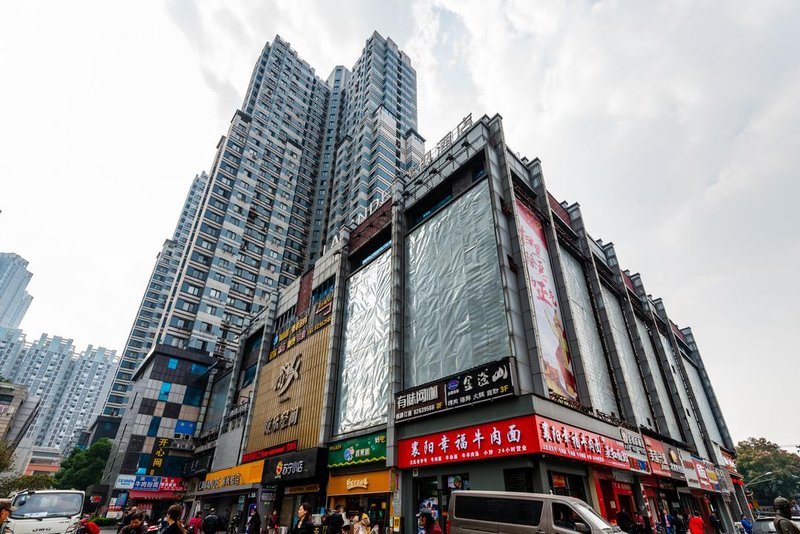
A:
301	158
155	300
72	385
14	299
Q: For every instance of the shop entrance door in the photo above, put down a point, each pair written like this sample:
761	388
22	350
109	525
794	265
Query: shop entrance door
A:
428	495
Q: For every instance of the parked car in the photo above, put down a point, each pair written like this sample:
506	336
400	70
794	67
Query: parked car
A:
508	512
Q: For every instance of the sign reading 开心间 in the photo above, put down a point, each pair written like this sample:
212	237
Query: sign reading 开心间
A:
486	382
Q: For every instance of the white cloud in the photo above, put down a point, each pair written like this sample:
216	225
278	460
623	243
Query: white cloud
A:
674	124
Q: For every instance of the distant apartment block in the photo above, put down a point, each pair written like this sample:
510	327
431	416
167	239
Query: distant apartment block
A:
14	299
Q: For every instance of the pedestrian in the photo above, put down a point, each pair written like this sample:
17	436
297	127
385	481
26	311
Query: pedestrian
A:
625	522
427	522
304	524
196	523
783	517
136	525
5	510
747	525
696	524
680	523
639	520
716	524
273	523
90	527
172	519
667	522
336	520
253	525
211	522
364	522
126	518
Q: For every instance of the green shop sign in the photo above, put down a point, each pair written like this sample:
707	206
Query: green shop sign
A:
357	451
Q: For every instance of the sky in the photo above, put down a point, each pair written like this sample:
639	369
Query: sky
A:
674	124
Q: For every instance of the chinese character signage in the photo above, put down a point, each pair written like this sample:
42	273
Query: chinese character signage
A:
519	435
659	462
171	484
689	470
357	451
158	456
556	358
270	451
491	440
292	466
637	454
146	483
570	442
241	475
486	382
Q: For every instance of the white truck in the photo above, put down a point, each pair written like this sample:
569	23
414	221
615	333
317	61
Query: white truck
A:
46	512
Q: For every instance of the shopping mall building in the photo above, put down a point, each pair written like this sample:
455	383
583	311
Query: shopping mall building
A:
468	332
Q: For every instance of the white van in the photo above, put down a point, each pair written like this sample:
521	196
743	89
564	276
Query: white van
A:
508	512
46	512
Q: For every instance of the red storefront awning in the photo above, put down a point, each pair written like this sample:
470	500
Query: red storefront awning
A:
152	495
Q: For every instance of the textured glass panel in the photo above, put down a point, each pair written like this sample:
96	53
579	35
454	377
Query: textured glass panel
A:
363	389
627	359
702	402
662	390
598	377
455	314
693	426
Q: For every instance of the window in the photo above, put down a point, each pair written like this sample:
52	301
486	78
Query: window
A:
172	363
193	397
499	509
249	375
155	422
198	368
165	389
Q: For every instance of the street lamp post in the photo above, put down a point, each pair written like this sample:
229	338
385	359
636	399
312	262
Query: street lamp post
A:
768	473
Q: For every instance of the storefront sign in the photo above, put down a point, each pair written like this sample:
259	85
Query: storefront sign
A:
160	447
172	484
282	420
479	384
637	453
570	442
270	451
125	482
553	347
292	466
241	475
146	483
729	463
318	317
361	483
689	470
357	451
490	440
659	463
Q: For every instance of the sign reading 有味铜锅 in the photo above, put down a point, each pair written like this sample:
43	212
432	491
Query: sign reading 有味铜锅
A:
486	382
357	451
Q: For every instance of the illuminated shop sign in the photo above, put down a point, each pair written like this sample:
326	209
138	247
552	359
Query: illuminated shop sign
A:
357	451
241	475
270	451
519	435
637	453
292	466
484	383
318	317
563	440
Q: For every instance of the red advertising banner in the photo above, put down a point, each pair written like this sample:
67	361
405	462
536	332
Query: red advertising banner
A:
490	440
556	358
570	442
171	484
659	462
519	435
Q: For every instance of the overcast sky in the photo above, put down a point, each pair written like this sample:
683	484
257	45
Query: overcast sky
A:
676	125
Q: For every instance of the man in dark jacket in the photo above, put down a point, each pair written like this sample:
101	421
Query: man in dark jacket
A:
783	517
136	524
336	520
211	522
